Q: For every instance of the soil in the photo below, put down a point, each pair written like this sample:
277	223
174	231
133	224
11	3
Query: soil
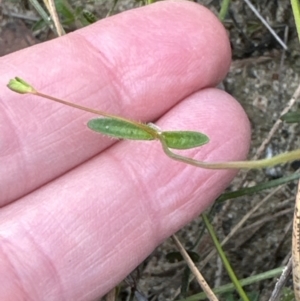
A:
263	77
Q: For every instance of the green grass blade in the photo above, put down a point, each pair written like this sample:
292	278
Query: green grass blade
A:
250	190
296	11
225	261
291	117
42	13
230	287
65	11
224	9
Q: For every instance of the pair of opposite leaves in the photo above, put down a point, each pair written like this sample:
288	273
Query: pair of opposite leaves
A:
125	130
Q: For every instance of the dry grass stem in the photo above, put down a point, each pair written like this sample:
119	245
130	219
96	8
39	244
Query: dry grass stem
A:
296	247
281	281
209	293
263	20
111	295
52	10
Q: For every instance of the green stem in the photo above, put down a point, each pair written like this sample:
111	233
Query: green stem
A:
257	164
246	281
42	13
142	126
296	11
224	9
225	261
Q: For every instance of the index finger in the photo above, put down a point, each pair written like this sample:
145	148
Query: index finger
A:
137	64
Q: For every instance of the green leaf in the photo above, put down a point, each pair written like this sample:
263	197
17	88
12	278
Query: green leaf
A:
65	10
177	257
291	117
89	17
20	86
184	139
127	130
39	25
119	129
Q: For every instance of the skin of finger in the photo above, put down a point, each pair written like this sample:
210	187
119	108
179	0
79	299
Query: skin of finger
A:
137	64
89	228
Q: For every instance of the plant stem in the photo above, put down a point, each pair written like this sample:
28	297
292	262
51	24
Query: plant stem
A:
225	261
296	11
142	126
209	293
224	9
52	10
257	164
246	281
42	13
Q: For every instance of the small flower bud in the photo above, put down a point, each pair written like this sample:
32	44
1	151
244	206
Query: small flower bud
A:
20	86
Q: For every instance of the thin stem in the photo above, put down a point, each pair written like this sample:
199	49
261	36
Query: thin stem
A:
209	293
282	280
224	9
42	13
142	126
257	164
52	10
225	261
296	12
295	246
246	281
262	19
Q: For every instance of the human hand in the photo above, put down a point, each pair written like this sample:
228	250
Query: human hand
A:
80	211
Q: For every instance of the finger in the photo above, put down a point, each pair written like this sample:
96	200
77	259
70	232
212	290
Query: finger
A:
88	229
137	64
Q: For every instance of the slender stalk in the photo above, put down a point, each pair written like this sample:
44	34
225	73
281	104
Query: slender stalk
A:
257	164
263	20
282	281
42	13
295	246
296	11
209	293
142	126
52	10
225	261
224	9
246	281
